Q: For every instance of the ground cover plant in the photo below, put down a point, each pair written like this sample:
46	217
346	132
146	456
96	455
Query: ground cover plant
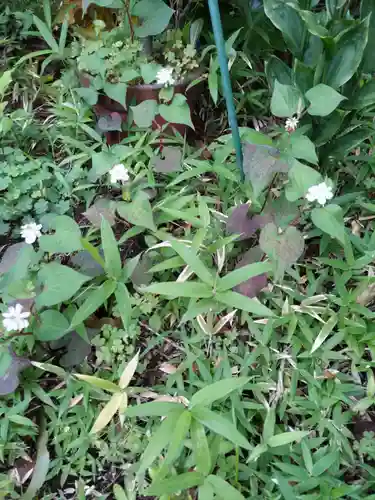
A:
171	327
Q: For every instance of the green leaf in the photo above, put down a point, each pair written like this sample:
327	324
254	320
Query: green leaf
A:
149	71
116	91
242	274
312	22
155	16
200	447
108	412
192	260
46	34
365	96
107	385
324	332
325	463
303	148
178	111
138	211
323	100
277	70
5	81
101	164
175	484
154	409
286	100
144	113
284	249
158	441
367	7
217	390
119	493
66	239
89	94
41	466
329	220
223	489
347	54
177	438
124	304
286	438
190	289
289	22
220	425
112	256
128	372
269	424
60	283
53	325
301	178
95	299
238	301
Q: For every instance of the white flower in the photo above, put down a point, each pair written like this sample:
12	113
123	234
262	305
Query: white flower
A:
320	193
119	173
15	319
31	232
291	124
165	76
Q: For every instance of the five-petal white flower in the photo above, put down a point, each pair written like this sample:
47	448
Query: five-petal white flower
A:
165	76
15	319
119	173
31	232
291	124
320	193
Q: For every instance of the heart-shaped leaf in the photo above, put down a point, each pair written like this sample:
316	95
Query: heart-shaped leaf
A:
10	367
144	113
110	122
101	209
67	237
252	287
52	326
138	211
245	225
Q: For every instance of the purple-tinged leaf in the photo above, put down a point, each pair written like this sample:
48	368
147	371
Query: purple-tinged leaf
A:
260	163
243	224
284	248
10	257
253	286
110	122
9	380
170	162
102	208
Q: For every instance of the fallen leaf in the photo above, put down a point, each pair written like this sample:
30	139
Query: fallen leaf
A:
170	162
102	208
167	368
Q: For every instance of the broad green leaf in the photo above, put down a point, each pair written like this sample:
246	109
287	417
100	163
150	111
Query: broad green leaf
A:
285	488
329	219
41	466
206	492
128	372
158	441
325	463
95	299
303	148
276	69
108	412
52	325
220	425
124	304
116	91
154	409
289	22
5	81
284	249
138	211
347	54
101	164
269	424
286	438
257	452
223	489
193	261
301	177
112	256
242	274
217	390
175	484
312	22
177	438
119	493
66	239
367	7
89	94
173	289
200	447
107	385
323	100
324	332
155	15
178	111
149	71
144	113
365	96
59	282
238	301
286	100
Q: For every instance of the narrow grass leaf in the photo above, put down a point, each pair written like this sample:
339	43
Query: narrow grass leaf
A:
223	489
123	304
154	409
324	332
325	463
176	441
242	274
175	484
107	413
200	446
128	372
286	438
41	465
107	385
193	261
217	390
220	425
238	301
172	289
112	256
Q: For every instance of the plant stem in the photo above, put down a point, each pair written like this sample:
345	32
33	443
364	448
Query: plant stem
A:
127	8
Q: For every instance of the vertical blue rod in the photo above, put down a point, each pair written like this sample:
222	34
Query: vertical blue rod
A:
227	87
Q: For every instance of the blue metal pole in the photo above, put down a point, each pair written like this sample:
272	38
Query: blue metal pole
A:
227	87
